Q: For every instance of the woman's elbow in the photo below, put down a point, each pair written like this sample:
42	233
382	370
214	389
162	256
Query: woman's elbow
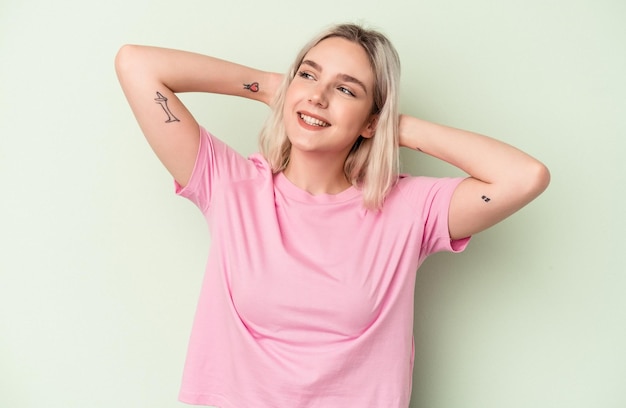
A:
538	179
121	55
125	57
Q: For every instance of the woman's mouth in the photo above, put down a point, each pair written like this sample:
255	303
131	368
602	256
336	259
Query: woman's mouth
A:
311	121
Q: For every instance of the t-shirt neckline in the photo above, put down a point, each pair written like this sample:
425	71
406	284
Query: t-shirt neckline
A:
286	187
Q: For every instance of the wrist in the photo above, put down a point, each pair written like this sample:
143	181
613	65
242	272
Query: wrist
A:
409	132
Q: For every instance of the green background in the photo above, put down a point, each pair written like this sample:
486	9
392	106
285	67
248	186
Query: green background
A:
100	264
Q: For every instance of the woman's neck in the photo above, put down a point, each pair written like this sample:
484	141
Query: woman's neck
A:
316	175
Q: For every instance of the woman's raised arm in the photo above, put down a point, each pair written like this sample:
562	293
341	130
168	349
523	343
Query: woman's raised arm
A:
502	178
151	77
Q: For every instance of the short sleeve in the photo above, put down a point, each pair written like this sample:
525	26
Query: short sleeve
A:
431	198
216	164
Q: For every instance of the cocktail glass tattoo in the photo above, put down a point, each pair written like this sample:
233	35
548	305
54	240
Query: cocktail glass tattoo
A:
162	100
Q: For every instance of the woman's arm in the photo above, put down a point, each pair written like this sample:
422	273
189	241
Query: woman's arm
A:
150	78
502	178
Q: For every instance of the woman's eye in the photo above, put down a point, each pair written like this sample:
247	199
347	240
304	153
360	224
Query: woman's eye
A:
346	91
305	75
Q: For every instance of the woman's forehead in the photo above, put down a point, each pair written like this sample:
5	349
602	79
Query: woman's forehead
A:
341	56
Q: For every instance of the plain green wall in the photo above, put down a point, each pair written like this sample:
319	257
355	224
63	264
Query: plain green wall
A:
100	263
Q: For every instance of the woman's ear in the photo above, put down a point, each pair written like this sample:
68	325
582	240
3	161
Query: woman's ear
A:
370	127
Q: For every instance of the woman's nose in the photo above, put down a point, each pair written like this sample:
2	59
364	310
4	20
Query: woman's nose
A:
318	97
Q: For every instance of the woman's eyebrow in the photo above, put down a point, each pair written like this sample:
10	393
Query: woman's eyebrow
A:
343	77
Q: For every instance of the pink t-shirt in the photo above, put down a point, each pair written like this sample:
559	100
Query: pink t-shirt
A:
307	301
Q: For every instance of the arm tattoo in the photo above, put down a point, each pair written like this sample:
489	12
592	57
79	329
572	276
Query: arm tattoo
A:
253	87
162	100
486	199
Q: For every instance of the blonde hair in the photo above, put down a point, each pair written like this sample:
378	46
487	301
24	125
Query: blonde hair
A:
373	163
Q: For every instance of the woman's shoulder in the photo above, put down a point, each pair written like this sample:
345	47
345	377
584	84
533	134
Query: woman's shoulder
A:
225	155
420	189
406	181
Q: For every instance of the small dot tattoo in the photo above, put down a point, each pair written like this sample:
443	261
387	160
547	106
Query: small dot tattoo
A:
486	199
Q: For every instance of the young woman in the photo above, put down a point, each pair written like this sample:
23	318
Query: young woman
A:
308	293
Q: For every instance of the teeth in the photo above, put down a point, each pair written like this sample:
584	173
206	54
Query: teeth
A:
312	121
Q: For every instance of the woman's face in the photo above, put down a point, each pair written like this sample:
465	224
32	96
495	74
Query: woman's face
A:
329	102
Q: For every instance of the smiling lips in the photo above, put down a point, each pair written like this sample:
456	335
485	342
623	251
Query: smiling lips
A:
311	121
